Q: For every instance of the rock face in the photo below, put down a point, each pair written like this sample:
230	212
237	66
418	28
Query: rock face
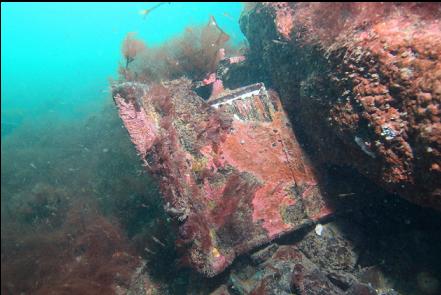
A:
317	264
231	171
361	83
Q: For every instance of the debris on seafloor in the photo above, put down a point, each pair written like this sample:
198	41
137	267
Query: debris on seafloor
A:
231	170
319	229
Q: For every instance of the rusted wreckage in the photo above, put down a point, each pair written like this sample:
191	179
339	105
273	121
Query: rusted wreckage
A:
231	170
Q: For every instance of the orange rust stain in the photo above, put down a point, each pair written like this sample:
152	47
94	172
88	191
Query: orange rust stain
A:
270	152
267	205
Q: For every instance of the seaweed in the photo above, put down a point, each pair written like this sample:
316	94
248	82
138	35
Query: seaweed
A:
87	255
193	54
131	47
68	218
327	23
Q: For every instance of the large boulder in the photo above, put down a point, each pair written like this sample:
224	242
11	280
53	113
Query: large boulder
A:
361	83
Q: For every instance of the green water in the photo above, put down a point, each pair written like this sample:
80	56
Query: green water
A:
57	57
69	170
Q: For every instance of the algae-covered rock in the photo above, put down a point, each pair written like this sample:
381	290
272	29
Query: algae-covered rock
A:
361	82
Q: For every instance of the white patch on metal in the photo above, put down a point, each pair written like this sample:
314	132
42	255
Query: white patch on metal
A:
243	96
319	229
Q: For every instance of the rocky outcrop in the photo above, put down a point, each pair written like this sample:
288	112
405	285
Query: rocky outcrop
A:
361	83
322	262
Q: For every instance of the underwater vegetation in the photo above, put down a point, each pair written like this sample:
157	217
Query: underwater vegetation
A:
84	254
74	207
131	48
193	54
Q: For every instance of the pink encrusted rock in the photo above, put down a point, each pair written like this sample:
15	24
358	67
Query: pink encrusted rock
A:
231	171
363	78
141	128
284	18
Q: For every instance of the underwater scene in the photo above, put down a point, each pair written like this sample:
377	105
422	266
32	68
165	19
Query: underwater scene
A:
221	148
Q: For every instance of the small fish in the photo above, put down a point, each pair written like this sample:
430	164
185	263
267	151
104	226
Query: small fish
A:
158	241
33	165
145	12
149	251
279	42
227	15
364	147
346	195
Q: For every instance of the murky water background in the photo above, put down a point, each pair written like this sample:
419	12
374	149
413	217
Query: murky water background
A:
69	170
